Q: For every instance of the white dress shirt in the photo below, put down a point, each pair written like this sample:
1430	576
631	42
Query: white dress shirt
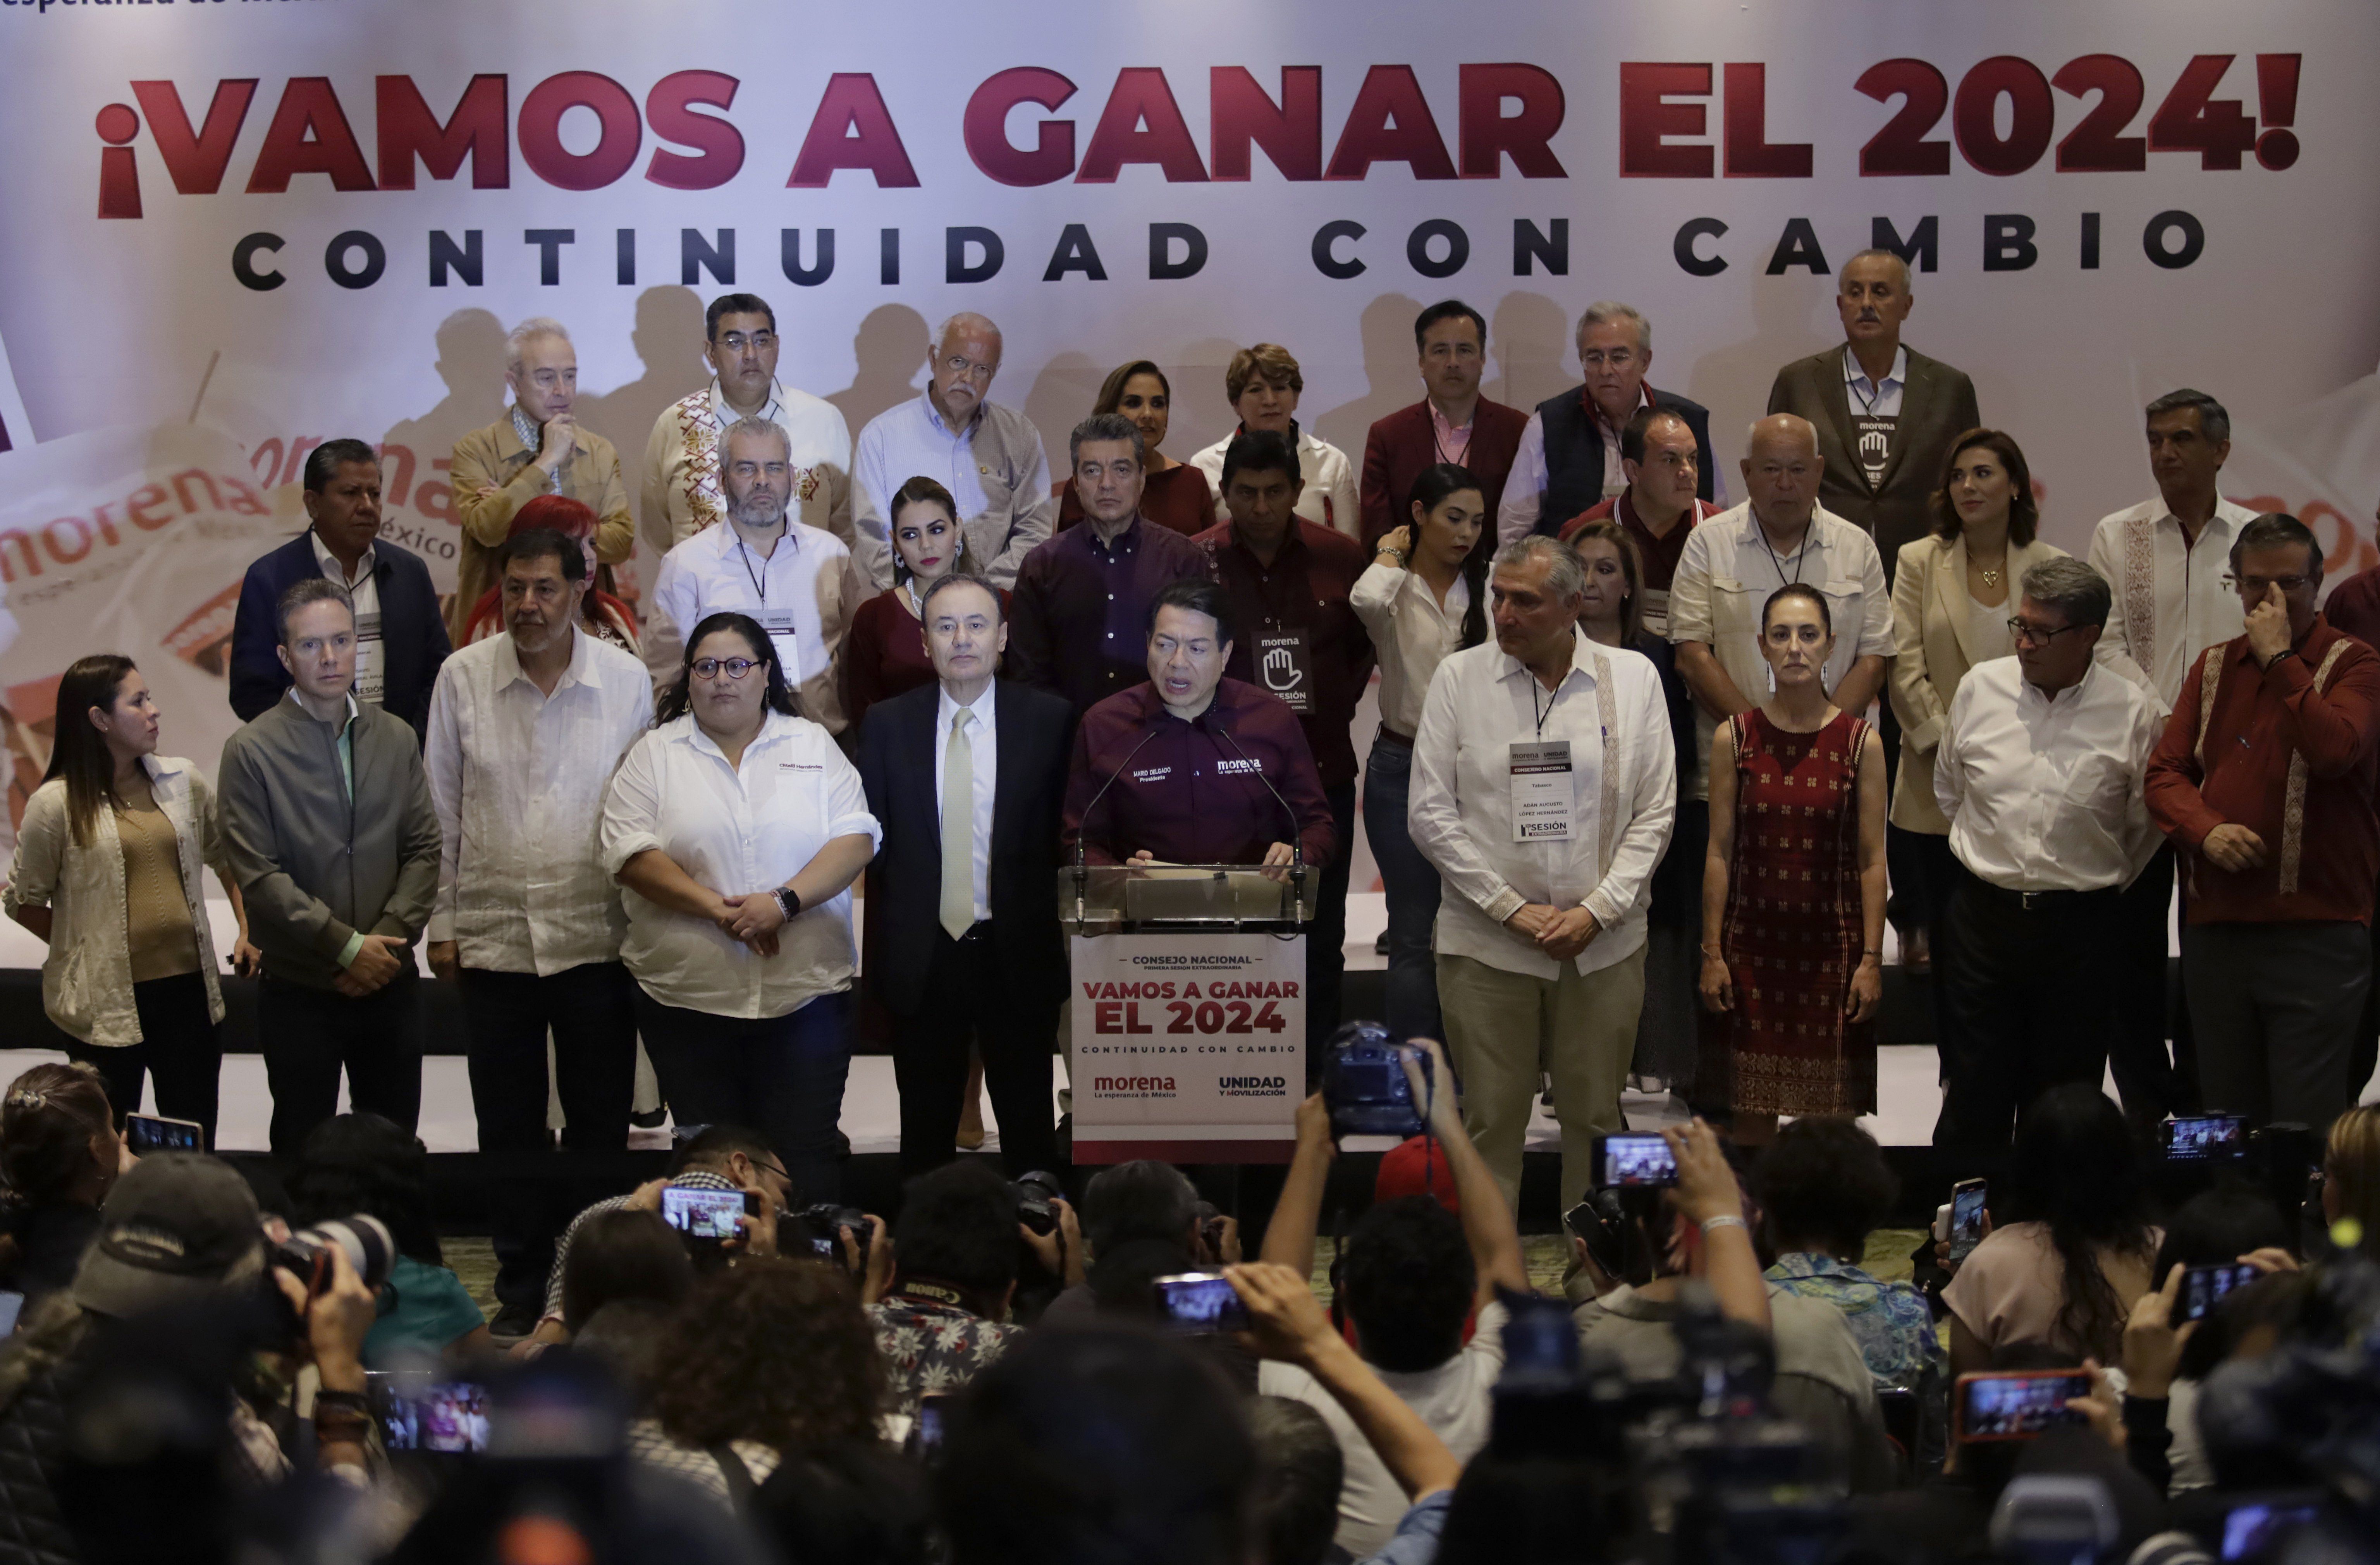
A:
363	591
2170	600
681	492
803	593
1880	399
1412	632
517	778
1724	579
993	467
983	740
1329	498
735	829
2043	793
1623	795
1524	486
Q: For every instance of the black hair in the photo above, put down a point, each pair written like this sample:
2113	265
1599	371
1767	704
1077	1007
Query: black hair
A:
623	1255
1096	1445
710	1146
2277	530
1803	590
2216	1227
1146	1199
1260	451
323	462
677	698
78	753
1300	1470
47	1120
1825	1180
1634	433
1429	492
306	591
1541	1510
1111	397
541	543
734	303
2213	420
858	1505
2074	1168
1449	310
1199	596
1410	1280
958	1225
364	1163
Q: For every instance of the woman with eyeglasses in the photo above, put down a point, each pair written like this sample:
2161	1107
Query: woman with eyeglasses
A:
737	826
1952	597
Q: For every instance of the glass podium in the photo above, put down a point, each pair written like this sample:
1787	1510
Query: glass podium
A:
1194	898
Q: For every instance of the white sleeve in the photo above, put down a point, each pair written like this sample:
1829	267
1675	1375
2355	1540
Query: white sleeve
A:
632	806
2116	640
672	615
847	810
443	758
1374	599
1949	770
1690	605
1652	809
1875	603
1433	813
1524	488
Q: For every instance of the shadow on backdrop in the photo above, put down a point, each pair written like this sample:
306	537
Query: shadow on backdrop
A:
1391	368
1201	414
1733	381
668	340
471	362
1061	397
1529	345
890	351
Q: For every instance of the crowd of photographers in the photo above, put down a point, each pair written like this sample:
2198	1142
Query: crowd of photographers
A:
2111	1352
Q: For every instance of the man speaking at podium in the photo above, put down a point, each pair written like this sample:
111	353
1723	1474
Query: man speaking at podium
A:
1192	768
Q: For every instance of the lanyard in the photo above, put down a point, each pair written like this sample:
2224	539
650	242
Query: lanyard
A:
1779	565
1852	386
1553	699
759	579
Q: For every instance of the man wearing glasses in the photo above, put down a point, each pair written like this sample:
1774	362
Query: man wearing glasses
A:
1569	457
682	493
2263	781
988	457
2039	774
799	583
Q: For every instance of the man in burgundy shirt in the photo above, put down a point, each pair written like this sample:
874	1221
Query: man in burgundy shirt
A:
2354	608
1452	423
1286	582
1080	611
2264	780
1190	752
1659	506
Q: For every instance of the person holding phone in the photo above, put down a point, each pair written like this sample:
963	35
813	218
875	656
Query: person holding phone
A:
108	873
737	826
1792	891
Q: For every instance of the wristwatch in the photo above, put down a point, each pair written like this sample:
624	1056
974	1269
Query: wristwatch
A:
1397	555
788	903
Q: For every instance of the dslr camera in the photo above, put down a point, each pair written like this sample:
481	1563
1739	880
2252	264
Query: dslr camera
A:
1365	1084
1033	1194
822	1221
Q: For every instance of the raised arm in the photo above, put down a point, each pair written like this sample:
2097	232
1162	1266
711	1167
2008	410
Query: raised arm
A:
1296	1216
1487	1222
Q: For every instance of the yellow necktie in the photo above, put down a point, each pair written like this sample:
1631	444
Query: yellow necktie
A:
958	829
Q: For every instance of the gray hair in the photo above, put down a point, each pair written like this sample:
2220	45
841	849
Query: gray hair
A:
1899	261
2212	417
1105	426
754	425
2071	588
304	593
517	341
1567	575
954	579
1603	312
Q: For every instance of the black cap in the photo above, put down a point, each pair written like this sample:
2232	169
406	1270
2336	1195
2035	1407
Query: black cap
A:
173	1230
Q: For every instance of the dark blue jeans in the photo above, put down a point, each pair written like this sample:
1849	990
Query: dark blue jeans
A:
1410	882
781	1075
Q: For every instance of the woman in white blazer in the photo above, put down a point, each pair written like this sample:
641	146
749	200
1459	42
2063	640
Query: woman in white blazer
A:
1952	596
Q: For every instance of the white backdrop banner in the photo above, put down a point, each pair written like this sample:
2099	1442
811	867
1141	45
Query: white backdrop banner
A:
266	223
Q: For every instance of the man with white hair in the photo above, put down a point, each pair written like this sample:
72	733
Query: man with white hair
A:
1544	785
989	458
536	448
1569	459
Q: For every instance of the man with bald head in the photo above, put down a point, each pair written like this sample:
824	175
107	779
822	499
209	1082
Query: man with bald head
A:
1780	535
989	458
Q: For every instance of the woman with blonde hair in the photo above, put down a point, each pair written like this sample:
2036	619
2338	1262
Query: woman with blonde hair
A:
2350	1176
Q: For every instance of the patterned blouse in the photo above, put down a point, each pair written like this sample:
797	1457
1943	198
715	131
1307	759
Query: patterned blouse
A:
1891	1321
931	1348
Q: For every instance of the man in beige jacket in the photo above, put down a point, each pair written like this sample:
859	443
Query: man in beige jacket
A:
536	448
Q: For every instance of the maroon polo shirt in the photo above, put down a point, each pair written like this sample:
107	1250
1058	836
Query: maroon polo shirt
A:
1303	592
1660	554
1078	621
1187	795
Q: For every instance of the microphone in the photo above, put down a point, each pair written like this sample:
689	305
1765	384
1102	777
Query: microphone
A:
1082	872
1297	838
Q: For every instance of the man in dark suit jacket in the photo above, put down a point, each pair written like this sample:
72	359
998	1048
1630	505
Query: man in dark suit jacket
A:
1886	414
1569	459
1453	423
970	948
400	638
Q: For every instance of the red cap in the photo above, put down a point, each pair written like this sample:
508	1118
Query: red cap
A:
1416	1167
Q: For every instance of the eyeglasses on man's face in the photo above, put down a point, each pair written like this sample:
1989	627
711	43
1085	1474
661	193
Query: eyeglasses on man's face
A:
2254	586
2024	632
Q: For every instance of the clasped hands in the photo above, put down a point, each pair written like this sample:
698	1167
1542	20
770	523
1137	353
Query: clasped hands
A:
1559	933
754	919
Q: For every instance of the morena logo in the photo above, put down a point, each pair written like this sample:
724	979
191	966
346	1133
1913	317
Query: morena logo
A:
1132	1083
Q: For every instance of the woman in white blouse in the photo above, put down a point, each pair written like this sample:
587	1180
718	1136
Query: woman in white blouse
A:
1952	596
1425	595
737	826
108	872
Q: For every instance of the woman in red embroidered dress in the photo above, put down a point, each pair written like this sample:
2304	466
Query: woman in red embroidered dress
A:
1793	893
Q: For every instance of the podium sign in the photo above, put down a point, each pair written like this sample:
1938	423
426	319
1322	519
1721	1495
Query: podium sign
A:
1189	1047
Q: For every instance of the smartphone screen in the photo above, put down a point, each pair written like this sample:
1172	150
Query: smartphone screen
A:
2018	1406
925	1434
2205	1136
421	1413
1200	1301
2204	1286
149	1132
1639	1160
2249	1530
11	1306
1966	1218
703	1214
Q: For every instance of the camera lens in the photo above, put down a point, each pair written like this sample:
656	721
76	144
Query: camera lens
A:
370	1249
